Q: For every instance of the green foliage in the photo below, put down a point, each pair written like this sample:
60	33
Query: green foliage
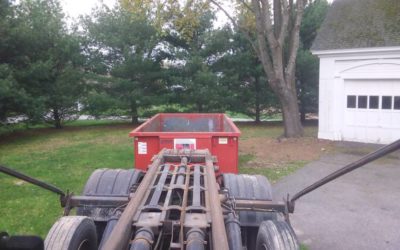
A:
98	104
184	17
123	49
127	63
14	99
43	63
307	73
196	82
307	65
244	77
314	15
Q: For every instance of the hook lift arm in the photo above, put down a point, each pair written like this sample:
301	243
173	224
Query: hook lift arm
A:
346	169
31	180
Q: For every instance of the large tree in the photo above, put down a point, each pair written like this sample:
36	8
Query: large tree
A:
52	70
200	49
124	49
187	30
243	76
40	71
14	99
274	36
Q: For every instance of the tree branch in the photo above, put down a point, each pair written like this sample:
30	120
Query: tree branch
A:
246	5
285	21
262	44
245	32
294	43
263	19
219	6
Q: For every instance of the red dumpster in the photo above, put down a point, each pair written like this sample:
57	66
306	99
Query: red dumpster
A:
215	132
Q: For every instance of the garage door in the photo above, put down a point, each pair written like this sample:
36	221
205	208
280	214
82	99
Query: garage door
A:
372	111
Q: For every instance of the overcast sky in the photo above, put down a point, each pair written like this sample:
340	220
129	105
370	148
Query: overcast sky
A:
74	8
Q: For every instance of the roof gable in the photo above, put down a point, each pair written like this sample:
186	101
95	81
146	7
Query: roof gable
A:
360	24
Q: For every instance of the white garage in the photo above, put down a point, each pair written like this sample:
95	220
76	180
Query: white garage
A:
359	84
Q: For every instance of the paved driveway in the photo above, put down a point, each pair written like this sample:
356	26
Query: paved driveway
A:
360	210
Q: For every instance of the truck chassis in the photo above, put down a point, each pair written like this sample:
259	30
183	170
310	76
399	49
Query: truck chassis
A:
180	203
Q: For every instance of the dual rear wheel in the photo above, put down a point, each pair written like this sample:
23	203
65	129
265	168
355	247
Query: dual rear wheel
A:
84	232
261	230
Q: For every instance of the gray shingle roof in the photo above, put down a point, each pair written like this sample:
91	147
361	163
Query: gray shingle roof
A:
360	24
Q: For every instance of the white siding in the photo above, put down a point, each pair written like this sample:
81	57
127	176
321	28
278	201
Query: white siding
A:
365	72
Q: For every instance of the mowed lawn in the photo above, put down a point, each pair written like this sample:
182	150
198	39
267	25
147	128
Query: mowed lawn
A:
67	157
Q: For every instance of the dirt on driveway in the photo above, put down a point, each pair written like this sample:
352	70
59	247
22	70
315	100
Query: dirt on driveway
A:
270	152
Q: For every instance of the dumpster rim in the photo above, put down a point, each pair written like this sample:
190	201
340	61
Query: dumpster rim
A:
136	132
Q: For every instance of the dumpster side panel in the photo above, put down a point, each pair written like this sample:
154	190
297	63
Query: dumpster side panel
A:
226	150
145	148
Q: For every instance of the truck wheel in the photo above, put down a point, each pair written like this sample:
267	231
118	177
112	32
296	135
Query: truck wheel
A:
276	235
72	233
256	187
108	182
246	186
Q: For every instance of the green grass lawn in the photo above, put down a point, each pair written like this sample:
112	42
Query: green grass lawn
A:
273	174
64	158
67	157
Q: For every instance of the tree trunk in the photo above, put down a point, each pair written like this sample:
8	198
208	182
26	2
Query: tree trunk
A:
302	112
290	112
277	17
134	113
258	119
199	107
57	118
271	41
258	108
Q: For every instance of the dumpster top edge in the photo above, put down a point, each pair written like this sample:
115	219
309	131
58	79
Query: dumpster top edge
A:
221	116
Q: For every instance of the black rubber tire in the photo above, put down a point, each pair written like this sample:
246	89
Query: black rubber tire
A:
72	233
244	186
108	182
276	235
256	187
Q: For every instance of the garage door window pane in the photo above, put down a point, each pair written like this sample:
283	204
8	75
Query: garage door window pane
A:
397	102
386	102
351	101
374	102
362	102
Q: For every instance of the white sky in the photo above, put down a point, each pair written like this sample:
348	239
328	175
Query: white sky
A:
74	8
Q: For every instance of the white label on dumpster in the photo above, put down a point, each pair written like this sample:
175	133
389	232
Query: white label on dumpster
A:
184	143
223	140
142	148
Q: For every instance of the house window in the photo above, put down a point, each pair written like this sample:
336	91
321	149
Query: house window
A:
351	101
396	102
386	102
374	102
362	101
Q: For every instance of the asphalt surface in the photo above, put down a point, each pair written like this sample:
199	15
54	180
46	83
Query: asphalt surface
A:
360	210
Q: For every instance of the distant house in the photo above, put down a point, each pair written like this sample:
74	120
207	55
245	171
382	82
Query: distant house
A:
359	84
